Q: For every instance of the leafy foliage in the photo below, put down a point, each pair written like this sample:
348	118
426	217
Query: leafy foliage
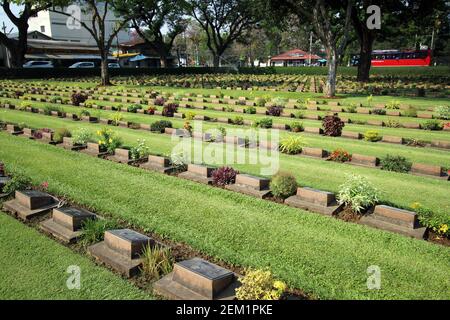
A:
395	163
82	136
61	133
78	98
340	155
433	125
160	125
283	185
292	144
260	285
358	193
223	176
274	110
170	109
372	136
332	125
157	261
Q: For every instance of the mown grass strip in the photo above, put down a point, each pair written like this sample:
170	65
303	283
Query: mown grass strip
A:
33	266
323	256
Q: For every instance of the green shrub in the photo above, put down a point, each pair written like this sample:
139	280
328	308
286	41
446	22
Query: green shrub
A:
260	102
160	125
439	223
395	163
372	136
351	108
48	109
299	115
116	117
189	115
442	112
393	105
265	123
238	120
55	99
378	111
357	193
61	133
392	123
259	285
94	230
156	262
432	125
250	110
283	185
23	105
292	144
140	151
82	136
134	108
410	112
18	182
278	101
296	126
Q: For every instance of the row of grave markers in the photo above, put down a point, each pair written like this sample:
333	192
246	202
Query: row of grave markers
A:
432	171
306	198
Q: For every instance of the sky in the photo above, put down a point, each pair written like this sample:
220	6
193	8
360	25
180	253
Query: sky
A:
4	18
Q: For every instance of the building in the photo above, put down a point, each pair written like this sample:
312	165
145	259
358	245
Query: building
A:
294	58
61	53
138	54
63	28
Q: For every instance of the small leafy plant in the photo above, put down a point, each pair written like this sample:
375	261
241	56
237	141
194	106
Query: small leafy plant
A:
283	185
340	155
139	151
292	144
94	230
156	262
116	117
82	136
274	110
393	105
19	181
265	123
358	193
108	140
372	136
60	134
250	110
332	125
442	112
170	109
433	125
134	108
296	126
159	101
160	126
238	120
259	285
223	176
439	223
78	98
395	163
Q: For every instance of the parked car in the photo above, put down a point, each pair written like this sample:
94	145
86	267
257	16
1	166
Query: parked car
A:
83	65
113	65
38	64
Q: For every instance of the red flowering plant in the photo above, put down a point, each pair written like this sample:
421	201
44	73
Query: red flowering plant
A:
447	125
151	110
44	185
340	155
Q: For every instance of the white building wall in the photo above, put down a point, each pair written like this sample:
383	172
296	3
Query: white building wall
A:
58	27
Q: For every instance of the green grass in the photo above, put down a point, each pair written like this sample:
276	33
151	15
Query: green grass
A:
33	266
326	257
397	188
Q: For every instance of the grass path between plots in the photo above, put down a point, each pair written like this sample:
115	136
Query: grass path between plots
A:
398	188
33	266
323	256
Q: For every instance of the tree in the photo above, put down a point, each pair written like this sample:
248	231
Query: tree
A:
18	47
98	25
331	21
150	16
224	21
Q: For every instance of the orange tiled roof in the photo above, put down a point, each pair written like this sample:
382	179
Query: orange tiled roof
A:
295	54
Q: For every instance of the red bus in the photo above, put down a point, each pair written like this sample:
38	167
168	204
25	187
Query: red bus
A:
398	58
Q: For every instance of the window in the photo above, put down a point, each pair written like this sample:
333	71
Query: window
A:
42	29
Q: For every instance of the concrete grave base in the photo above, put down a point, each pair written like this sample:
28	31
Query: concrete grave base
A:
25	213
242	188
123	264
297	202
59	231
376	222
196	177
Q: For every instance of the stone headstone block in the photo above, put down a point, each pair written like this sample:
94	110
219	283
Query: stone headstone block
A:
363	110
426	169
200	170
202	277
351	135
252	181
323	198
127	242
122	153
405	217
157	160
364	160
71	218
411	125
33	199
313	152
440	144
392	139
313	130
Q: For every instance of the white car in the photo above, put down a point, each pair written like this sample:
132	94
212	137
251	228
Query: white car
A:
83	65
38	64
113	65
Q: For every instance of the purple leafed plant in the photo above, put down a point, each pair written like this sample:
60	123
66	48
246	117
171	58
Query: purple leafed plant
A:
78	98
224	175
332	125
274	111
170	109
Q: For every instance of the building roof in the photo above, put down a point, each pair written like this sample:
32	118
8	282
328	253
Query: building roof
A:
295	54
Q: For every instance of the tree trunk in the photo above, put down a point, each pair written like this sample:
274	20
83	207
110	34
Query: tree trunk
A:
330	88
163	62
105	70
216	61
18	48
365	56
